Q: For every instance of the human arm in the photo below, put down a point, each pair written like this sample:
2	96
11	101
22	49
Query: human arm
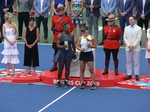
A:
53	7
4	35
94	43
146	45
79	45
25	40
66	6
73	43
58	42
37	36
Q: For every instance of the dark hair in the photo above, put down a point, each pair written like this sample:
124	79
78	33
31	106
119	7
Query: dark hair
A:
31	18
84	27
64	24
133	17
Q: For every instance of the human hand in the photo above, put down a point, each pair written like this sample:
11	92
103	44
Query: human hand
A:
65	46
131	47
91	6
75	15
5	10
82	49
147	49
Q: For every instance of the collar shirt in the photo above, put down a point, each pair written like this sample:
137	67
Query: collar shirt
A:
144	1
92	2
124	2
41	4
131	29
5	3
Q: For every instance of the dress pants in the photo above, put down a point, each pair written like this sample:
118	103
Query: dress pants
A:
135	55
2	21
22	17
141	22
122	21
104	23
93	20
44	22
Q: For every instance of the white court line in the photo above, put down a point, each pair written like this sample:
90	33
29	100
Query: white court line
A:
56	99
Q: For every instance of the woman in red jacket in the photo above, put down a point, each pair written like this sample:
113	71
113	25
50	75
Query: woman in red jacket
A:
112	35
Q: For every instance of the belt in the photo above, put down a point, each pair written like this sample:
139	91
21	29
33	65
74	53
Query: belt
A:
58	30
112	38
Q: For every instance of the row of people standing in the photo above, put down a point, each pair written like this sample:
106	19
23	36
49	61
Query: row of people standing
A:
10	52
124	8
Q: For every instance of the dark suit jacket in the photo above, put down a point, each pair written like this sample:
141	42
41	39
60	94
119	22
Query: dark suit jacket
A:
139	8
96	9
127	8
9	5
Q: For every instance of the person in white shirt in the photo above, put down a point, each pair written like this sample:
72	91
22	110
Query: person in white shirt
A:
132	38
147	55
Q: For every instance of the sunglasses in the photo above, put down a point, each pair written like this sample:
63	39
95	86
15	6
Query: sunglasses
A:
60	9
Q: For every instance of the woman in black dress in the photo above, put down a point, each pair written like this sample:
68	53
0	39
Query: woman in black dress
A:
31	38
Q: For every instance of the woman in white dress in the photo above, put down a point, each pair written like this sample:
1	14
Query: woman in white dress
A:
10	51
147	55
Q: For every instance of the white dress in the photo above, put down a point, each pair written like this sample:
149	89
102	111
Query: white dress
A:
147	55
10	52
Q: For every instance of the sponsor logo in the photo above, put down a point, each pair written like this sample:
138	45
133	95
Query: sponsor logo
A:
77	83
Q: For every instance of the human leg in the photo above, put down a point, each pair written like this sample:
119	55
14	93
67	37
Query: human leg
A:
90	22
95	22
13	69
7	68
45	21
104	23
61	66
74	31
20	22
107	59
15	7
149	68
54	67
82	69
136	58
129	55
122	25
67	73
116	61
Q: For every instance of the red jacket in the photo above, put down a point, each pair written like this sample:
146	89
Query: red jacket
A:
57	26
112	37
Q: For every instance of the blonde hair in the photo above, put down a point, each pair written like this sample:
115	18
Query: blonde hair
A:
6	16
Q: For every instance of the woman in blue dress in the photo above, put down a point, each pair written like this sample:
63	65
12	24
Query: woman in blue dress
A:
67	49
55	4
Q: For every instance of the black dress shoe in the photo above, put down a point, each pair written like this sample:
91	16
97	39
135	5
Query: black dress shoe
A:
128	77
53	69
101	43
116	72
105	72
121	43
137	77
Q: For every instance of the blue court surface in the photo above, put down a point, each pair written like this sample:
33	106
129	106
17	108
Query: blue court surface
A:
41	97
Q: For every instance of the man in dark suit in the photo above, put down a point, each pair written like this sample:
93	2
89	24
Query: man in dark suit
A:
143	12
5	6
92	14
125	11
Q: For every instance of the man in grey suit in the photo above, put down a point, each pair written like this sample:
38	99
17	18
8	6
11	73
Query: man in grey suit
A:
92	14
41	14
108	7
